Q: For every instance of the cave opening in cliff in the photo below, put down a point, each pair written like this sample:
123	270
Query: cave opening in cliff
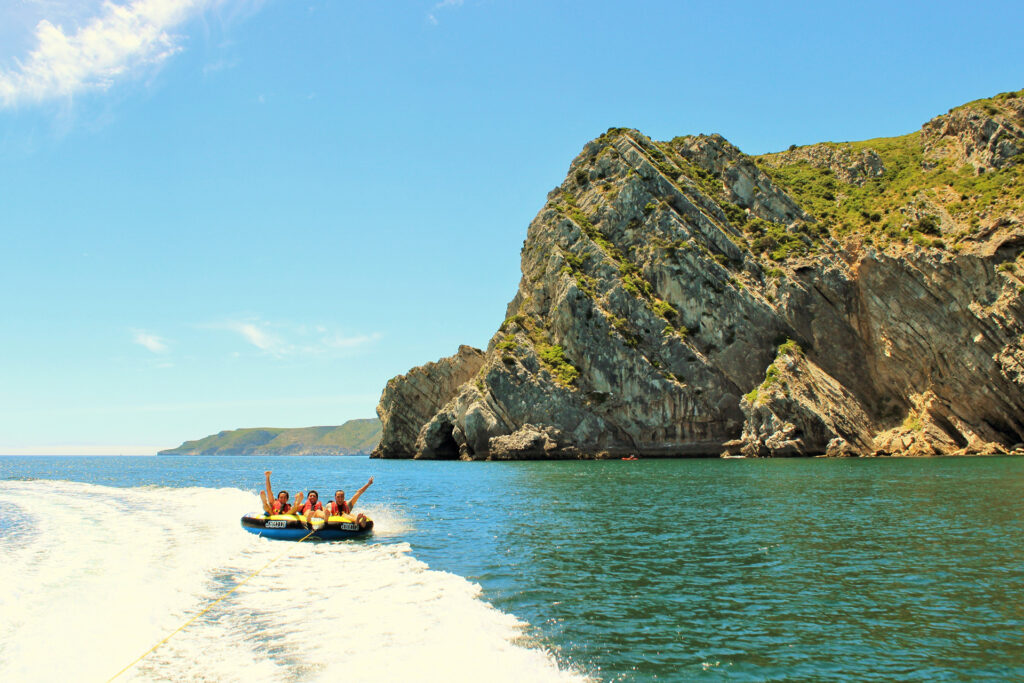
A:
447	448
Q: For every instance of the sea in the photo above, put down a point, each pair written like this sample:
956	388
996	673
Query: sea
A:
137	569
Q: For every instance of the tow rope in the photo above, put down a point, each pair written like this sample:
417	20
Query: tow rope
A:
206	609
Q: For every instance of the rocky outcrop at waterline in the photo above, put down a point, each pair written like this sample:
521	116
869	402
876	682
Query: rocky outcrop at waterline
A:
410	400
682	298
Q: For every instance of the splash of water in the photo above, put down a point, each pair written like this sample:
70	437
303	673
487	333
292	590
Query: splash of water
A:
95	576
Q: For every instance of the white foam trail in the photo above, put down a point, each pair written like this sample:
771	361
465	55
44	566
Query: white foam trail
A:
99	575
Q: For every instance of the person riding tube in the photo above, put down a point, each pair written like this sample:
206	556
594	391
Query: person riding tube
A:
280	504
339	506
313	507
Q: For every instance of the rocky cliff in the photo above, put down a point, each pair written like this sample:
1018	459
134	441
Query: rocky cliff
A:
683	298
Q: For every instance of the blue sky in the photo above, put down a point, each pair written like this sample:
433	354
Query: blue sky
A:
236	213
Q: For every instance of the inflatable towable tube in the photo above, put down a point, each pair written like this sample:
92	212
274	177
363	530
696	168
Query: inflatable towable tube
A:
293	528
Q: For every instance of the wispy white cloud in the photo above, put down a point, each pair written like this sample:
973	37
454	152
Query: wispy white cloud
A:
289	340
150	341
120	39
444	4
256	335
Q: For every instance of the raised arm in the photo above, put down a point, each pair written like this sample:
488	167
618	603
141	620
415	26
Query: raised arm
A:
352	503
268	497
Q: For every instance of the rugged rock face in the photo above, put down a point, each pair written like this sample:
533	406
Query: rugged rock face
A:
411	399
800	407
682	298
986	136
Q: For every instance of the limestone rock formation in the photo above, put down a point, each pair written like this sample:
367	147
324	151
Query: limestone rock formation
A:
801	410
682	298
986	135
411	399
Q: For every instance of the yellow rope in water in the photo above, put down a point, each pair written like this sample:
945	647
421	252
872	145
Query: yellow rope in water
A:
208	608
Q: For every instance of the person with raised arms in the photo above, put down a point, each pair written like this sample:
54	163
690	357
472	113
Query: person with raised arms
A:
339	506
280	504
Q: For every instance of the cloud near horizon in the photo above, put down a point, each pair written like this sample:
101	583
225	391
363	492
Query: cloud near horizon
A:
122	39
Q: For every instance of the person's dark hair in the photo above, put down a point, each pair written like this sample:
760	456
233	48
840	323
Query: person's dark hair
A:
339	491
313	492
284	492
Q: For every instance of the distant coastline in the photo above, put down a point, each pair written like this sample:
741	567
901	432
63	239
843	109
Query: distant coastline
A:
355	437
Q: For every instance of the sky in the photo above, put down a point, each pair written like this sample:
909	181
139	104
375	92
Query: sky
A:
218	214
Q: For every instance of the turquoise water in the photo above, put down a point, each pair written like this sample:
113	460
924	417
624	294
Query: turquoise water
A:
687	569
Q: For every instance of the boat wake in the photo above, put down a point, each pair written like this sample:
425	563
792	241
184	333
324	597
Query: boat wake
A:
95	576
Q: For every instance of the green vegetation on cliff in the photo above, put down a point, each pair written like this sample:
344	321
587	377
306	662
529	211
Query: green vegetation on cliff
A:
355	437
919	188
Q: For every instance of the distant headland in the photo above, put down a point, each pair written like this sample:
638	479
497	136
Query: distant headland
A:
355	437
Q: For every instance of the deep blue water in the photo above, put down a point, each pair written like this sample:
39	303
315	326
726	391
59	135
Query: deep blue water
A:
693	569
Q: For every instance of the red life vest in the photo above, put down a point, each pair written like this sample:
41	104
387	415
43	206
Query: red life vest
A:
280	508
309	506
332	507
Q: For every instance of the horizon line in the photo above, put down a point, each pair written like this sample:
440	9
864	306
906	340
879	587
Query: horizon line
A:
84	450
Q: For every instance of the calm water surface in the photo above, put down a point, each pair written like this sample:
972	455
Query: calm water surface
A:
693	569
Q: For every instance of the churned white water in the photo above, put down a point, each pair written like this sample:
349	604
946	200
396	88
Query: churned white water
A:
94	576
